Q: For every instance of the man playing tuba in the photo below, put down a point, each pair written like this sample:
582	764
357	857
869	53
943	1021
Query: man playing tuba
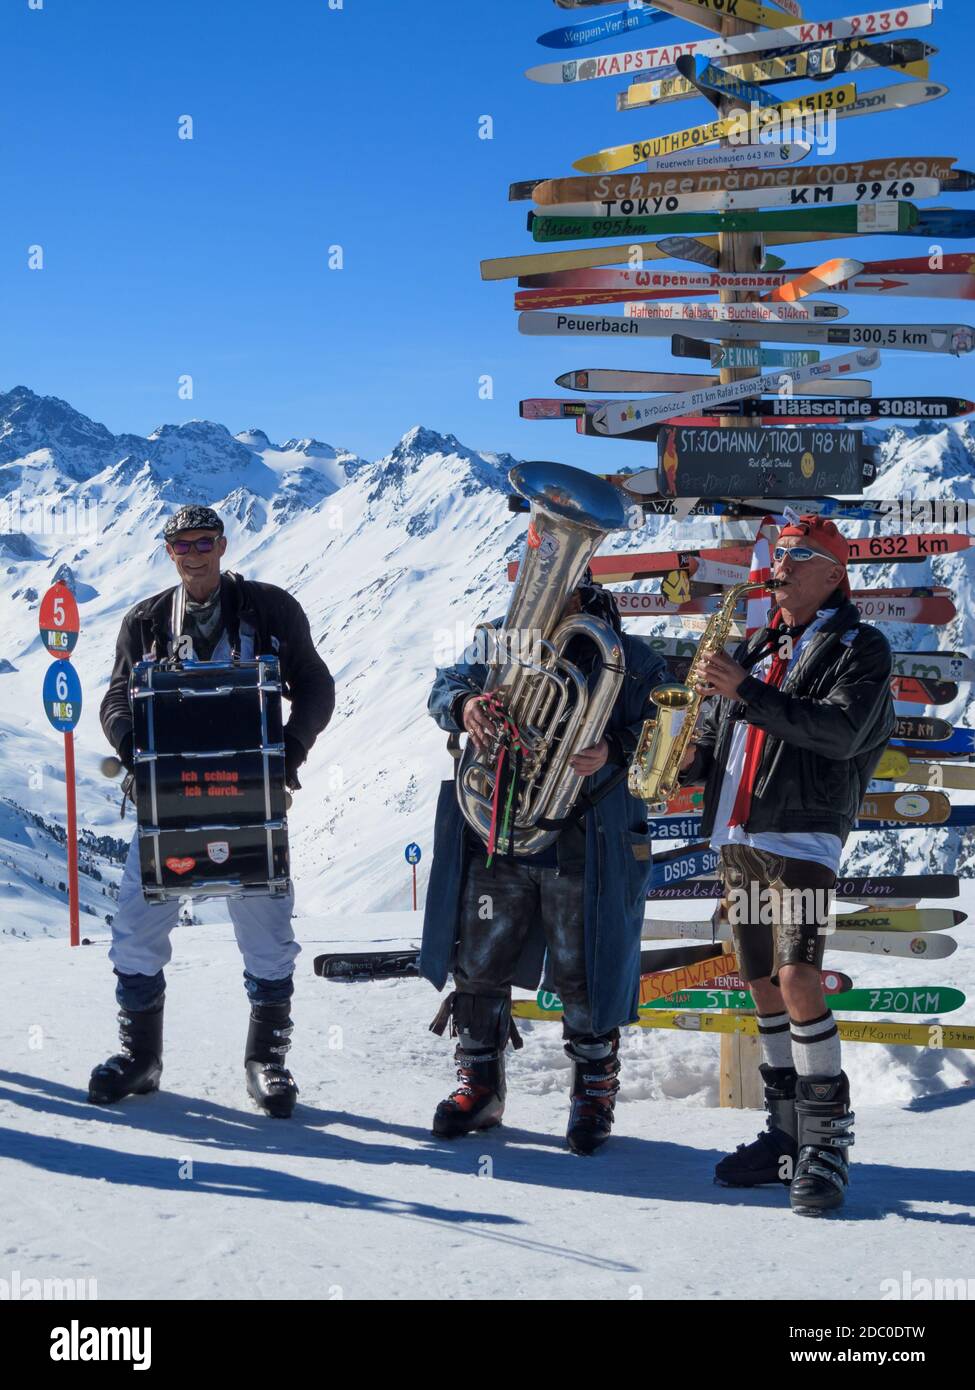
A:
581	899
787	754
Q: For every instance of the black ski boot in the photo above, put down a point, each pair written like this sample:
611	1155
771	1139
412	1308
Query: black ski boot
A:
269	1082
135	1070
823	1170
478	1102
594	1087
772	1156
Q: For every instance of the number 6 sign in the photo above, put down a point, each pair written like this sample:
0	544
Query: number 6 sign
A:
62	696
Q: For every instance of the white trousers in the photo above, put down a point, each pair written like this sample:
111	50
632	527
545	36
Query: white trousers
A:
141	930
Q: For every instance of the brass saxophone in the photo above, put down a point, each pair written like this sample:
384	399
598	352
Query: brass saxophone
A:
663	740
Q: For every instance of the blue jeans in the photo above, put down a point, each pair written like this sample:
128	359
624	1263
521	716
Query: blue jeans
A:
141	944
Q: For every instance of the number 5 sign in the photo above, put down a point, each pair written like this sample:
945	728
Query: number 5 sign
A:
58	621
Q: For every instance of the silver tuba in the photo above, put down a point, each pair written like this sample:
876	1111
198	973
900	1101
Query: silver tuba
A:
546	696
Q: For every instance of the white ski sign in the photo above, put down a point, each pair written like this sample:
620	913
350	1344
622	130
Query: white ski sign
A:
734	313
623	416
874	24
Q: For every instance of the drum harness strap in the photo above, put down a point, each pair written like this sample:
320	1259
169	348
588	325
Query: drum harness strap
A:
162	640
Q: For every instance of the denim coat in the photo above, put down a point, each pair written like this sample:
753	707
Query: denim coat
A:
616	881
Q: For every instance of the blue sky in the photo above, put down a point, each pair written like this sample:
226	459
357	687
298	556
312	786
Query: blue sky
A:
357	127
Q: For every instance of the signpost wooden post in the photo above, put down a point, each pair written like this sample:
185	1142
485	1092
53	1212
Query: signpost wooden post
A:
740	1082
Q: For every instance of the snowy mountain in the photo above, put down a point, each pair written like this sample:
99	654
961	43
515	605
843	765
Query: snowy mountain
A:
394	560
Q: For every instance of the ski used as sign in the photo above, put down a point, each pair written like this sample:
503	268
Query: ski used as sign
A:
832	982
762	445
954	741
609	26
878	606
746	356
917	921
888	890
628	252
748	11
649	61
955	666
863	408
689	827
731	200
906	56
954	339
736	128
774	155
751	124
658	983
695	462
611	189
888	218
929	774
735	313
888	1034
686	248
718	85
909	999
622	417
909	729
597	379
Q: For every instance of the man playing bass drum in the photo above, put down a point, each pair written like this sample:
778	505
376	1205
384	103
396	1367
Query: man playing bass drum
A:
787	752
582	899
209	616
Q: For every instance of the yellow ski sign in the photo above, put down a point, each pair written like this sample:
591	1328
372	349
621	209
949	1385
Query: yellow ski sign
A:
933	1035
736	128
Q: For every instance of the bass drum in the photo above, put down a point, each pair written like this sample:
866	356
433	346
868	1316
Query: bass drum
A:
209	779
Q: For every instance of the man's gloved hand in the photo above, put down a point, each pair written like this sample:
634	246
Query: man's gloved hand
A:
125	753
294	756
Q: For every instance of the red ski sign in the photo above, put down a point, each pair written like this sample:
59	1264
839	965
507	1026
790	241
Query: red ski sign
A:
58	620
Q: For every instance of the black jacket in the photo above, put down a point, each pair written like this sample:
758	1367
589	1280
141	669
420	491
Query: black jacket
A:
281	629
825	730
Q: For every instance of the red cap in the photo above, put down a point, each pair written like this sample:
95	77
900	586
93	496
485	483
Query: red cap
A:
824	535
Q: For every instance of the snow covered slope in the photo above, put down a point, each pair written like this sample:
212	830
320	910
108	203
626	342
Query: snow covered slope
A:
394	561
191	1194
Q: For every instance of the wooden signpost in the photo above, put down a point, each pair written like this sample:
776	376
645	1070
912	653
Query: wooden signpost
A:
719	209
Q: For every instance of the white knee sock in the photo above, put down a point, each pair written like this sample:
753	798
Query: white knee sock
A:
773	1035
816	1046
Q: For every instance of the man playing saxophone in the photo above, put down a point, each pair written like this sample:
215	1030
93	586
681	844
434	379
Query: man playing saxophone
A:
786	753
581	899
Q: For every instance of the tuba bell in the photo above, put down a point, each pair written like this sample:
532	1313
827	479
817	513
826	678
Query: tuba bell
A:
545	697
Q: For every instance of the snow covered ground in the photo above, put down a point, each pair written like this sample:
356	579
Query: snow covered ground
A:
191	1194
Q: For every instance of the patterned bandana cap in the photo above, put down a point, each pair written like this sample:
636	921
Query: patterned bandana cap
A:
824	535
192	519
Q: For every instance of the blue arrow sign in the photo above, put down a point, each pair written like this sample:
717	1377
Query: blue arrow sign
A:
62	696
412	853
